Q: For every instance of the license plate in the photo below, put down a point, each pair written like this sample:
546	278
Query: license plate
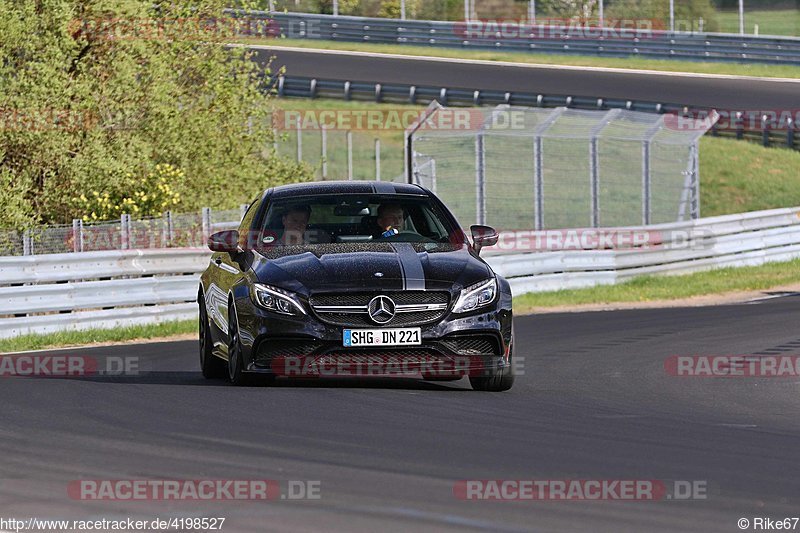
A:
383	337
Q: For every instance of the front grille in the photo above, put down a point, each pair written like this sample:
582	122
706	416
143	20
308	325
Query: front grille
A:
361	319
269	348
471	345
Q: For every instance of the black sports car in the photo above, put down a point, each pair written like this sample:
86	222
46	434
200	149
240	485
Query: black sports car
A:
354	278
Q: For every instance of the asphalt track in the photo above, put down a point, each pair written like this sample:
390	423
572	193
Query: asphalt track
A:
725	93
594	403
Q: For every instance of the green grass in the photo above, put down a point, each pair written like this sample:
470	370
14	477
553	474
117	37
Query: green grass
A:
770	21
78	338
763	71
738	176
651	288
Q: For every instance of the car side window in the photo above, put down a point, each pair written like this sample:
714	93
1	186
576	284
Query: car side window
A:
246	224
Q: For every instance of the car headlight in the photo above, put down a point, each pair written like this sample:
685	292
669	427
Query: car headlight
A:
476	296
277	300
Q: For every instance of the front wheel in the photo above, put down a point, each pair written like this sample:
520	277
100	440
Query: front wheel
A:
501	380
236	373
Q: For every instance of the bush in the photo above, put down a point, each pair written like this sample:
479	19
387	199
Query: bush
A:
97	93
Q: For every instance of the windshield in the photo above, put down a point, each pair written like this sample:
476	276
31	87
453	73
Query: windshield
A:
331	219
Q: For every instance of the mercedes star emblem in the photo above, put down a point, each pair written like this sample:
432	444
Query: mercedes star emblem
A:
381	309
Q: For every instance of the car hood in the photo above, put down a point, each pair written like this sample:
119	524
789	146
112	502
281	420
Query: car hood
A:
369	266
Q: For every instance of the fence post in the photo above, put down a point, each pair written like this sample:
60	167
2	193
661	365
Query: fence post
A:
27	243
275	139
167	230
124	232
324	152
790	125
299	143
433	175
480	179
594	176
646	182
77	235
538	184
377	159
205	216
764	131
696	183
349	155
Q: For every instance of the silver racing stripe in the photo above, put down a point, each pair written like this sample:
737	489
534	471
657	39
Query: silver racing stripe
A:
383	187
410	267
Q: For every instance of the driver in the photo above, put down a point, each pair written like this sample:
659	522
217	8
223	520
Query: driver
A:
390	220
295	222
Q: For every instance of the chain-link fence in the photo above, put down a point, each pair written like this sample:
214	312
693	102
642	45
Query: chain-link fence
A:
536	168
337	154
167	231
762	17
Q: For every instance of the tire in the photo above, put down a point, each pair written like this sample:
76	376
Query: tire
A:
502	380
235	365
212	366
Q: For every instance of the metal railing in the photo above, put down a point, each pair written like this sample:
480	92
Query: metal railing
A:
540	39
41	294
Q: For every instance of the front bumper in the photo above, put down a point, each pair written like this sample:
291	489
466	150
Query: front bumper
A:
305	346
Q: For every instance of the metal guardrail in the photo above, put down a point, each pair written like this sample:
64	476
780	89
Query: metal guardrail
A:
47	293
304	87
541	39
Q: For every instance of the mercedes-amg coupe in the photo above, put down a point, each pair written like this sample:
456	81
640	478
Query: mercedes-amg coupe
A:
354	279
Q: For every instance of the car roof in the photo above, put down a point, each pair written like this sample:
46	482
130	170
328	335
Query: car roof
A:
346	187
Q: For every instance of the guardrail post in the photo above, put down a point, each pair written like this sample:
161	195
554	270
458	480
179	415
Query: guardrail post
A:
377	159
480	179
125	232
27	243
739	126
77	235
205	217
349	137
324	135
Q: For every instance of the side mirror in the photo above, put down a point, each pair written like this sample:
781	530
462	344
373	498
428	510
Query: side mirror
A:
224	241
483	236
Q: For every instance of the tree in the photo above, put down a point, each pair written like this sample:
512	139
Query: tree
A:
96	93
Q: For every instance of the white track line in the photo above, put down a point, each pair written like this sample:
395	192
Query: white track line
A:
321	51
